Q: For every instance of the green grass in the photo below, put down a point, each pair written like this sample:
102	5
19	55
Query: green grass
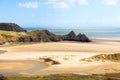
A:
64	77
116	75
32	36
55	77
10	36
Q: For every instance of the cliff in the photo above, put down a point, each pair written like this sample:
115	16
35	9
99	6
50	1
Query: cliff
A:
11	27
70	36
10	32
39	36
46	36
73	37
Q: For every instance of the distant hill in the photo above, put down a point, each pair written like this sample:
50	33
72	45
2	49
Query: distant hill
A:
11	27
46	36
39	36
11	32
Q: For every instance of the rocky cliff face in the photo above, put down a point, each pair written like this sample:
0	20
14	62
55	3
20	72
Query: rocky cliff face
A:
70	36
40	36
11	27
82	38
43	36
46	36
73	37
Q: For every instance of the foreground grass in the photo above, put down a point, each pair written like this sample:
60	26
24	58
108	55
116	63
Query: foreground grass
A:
62	77
116	75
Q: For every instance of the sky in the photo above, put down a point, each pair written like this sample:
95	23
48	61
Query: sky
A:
61	13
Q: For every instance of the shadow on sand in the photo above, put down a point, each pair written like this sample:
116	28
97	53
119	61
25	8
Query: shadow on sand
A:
2	51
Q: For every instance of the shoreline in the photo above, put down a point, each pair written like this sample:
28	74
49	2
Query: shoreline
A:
68	54
110	38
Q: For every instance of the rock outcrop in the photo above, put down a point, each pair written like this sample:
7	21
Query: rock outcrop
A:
73	37
11	27
70	36
82	38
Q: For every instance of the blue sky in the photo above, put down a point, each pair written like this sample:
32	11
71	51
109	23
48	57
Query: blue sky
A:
65	13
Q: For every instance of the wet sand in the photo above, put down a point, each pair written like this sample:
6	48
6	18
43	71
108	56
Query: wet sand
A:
14	67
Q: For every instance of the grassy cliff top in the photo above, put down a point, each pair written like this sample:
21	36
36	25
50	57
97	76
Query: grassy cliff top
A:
4	35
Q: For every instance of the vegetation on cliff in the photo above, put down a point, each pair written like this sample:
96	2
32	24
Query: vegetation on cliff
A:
9	36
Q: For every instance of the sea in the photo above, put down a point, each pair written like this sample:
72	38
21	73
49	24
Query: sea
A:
113	33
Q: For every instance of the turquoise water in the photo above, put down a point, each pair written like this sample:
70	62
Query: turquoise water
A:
92	33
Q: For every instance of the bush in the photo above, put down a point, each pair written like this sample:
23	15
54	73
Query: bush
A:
2	77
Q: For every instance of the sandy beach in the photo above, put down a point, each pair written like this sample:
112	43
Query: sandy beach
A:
69	54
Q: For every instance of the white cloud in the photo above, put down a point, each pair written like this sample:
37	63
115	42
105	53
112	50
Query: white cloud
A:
29	5
64	4
110	2
58	4
83	2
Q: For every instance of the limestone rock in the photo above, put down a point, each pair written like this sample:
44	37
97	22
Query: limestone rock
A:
71	36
